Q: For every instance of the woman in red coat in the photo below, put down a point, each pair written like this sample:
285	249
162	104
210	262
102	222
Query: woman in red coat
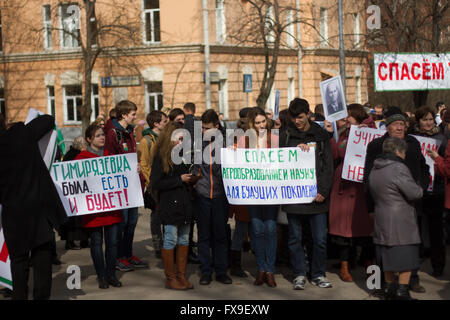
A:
106	223
349	217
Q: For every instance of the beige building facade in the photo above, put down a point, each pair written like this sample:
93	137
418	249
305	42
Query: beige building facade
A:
160	62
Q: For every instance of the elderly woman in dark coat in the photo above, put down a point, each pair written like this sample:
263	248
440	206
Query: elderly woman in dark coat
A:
396	233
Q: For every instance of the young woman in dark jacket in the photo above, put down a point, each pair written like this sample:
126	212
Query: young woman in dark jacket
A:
106	223
171	182
433	201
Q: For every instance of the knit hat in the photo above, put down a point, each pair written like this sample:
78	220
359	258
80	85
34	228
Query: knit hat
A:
394	114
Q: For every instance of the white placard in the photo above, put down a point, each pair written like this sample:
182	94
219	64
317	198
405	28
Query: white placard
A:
355	155
405	72
333	99
99	184
428	144
269	176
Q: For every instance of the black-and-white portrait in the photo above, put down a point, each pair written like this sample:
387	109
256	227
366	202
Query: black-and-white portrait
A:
333	99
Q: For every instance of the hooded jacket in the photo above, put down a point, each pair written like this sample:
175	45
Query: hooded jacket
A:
120	140
394	192
292	137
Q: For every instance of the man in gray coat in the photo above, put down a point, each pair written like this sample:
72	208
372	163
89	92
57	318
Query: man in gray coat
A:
396	233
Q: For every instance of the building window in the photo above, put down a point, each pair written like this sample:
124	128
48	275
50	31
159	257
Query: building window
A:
221	27
69	25
291	90
323	27
72	103
154	96
51	100
95	102
358	89
270	36
2	102
356	30
290	28
152	31
47	22
223	97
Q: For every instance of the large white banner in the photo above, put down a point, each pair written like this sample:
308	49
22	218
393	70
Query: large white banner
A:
355	155
99	184
5	262
269	176
428	144
404	71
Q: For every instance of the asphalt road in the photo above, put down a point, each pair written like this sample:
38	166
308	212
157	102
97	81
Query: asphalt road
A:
148	284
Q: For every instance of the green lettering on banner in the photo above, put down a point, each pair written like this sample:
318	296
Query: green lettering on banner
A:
246	154
55	165
113	165
80	173
107	166
65	171
126	164
292	154
103	167
95	167
280	156
225	173
87	167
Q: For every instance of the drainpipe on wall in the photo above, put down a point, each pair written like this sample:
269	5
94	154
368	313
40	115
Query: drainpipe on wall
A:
206	40
300	53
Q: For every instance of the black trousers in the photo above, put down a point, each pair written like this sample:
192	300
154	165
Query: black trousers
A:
433	209
41	259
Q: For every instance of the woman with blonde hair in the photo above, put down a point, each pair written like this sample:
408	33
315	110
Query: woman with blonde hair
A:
174	204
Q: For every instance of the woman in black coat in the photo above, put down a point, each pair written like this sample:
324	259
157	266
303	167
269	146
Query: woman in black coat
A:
174	204
31	206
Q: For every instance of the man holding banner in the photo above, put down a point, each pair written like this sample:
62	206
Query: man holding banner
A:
29	213
305	134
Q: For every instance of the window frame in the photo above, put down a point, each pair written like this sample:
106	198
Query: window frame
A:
61	28
152	24
356	31
221	23
93	97
51	99
2	101
323	27
47	27
66	111
153	94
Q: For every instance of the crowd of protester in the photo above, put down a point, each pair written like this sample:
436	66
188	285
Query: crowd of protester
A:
393	216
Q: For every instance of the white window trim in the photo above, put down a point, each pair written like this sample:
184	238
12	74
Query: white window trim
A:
151	11
270	37
49	100
93	96
61	32
223	103
291	90
357	31
66	121
290	29
3	100
47	25
221	25
323	22
1	35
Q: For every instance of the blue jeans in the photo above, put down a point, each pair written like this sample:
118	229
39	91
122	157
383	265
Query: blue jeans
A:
318	224
126	232
176	235
263	235
212	234
96	235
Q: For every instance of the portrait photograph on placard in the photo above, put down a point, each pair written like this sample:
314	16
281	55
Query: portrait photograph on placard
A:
333	99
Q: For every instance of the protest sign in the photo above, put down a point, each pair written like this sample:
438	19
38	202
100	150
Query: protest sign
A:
99	184
269	176
333	99
47	144
428	144
5	262
355	155
405	71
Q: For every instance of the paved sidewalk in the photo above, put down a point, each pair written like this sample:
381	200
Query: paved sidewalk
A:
148	284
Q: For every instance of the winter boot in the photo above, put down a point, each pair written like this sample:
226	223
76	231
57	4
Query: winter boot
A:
402	293
389	291
182	254
236	268
169	269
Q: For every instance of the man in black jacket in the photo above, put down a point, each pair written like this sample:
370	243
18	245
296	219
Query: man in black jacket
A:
415	161
303	133
31	206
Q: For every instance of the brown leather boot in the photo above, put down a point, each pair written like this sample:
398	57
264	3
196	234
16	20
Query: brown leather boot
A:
169	269
260	277
345	272
182	257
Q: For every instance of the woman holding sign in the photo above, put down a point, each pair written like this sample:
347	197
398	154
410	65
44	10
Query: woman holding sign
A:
171	182
433	199
349	218
106	223
263	218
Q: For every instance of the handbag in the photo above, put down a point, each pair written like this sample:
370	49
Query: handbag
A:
149	201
